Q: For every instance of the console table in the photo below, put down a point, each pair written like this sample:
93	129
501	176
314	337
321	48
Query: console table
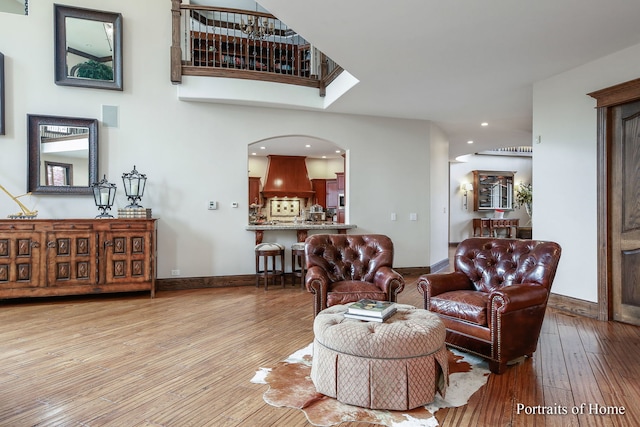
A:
493	224
42	258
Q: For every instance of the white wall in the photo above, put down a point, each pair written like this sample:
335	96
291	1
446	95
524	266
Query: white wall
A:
439	200
193	152
565	119
460	218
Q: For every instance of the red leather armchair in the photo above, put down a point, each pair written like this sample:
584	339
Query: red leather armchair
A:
344	268
493	304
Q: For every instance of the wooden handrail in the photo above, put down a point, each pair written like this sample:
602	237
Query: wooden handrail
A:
243	63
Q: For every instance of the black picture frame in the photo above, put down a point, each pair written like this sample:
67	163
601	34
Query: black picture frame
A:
2	122
62	77
34	158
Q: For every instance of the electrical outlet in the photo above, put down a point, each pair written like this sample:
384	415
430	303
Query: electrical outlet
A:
394	217
213	205
234	204
175	272
413	217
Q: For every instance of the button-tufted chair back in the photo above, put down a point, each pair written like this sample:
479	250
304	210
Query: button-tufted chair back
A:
494	263
343	268
493	303
349	256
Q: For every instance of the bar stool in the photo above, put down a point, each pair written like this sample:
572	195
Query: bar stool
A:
269	252
298	263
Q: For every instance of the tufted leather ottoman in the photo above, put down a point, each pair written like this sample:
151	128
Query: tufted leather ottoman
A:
398	365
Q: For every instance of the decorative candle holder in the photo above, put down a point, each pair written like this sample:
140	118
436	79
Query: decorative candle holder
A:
104	194
134	183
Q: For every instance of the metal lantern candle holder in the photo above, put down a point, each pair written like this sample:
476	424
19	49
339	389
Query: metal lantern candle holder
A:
104	194
134	183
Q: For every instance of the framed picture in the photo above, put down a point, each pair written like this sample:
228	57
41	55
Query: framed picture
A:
1	94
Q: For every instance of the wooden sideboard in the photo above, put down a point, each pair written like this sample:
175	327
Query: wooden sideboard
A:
41	258
493	224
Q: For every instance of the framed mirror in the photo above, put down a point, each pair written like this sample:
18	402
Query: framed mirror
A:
63	154
2	94
88	48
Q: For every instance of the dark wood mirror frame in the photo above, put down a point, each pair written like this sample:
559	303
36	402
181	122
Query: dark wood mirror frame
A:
62	77
34	159
2	94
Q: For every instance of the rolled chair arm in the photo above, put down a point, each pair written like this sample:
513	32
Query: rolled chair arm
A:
516	297
390	281
317	282
438	283
434	284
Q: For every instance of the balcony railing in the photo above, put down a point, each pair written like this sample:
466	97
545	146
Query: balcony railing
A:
223	42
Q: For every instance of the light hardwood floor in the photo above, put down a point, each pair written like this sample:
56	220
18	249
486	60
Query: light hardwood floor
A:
186	358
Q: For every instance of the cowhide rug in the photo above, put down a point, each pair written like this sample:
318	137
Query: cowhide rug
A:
290	386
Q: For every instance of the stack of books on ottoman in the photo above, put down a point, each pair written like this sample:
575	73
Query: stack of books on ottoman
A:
371	310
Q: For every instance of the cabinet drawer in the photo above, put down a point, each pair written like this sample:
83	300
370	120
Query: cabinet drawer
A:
75	226
129	226
19	227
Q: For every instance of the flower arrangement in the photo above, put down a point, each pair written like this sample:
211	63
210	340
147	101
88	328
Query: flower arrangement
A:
524	197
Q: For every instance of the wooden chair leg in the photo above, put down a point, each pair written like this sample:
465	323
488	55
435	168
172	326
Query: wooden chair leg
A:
497	367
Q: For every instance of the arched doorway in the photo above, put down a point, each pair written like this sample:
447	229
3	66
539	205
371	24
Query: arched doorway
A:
296	178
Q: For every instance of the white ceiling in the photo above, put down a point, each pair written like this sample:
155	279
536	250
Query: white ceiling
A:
462	62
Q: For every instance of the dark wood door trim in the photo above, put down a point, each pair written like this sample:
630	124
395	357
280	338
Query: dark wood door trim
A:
606	99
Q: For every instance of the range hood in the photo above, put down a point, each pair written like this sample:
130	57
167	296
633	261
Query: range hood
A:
287	176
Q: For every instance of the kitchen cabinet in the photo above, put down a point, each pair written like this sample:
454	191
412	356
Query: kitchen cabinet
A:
40	258
340	181
332	194
492	190
319	185
254	190
342	201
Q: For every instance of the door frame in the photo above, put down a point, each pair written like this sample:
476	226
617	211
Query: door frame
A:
606	99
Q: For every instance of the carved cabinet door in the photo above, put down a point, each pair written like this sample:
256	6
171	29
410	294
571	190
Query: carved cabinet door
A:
126	256
19	260
72	258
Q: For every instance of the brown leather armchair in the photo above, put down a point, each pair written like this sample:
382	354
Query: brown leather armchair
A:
344	268
494	301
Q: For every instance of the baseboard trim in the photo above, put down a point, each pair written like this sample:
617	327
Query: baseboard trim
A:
440	265
183	283
412	271
573	305
174	284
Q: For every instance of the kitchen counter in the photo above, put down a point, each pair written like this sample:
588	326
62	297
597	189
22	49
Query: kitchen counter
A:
301	228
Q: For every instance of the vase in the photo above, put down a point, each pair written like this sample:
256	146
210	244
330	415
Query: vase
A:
529	209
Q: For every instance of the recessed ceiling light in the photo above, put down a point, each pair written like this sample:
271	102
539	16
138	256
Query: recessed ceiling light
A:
337	151
324	157
308	145
469	142
254	154
263	148
484	124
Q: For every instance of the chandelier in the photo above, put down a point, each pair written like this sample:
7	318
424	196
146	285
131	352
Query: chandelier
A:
257	28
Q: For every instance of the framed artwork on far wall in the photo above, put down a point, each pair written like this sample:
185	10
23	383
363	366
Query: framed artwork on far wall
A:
1	94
